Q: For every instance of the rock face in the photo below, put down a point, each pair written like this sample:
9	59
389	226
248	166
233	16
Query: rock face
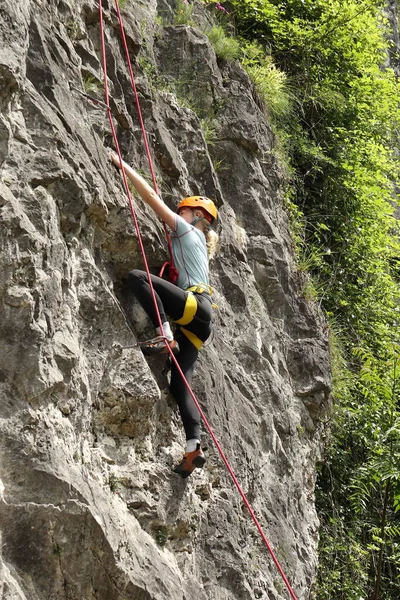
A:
89	508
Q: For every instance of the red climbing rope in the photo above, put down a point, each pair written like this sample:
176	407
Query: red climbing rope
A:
173	358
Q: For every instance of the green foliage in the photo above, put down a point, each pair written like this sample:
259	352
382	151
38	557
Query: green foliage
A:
270	82
183	13
342	374
209	131
343	124
219	165
148	67
190	91
343	562
359	487
225	47
379	386
114	483
296	220
161	535
74	30
92	85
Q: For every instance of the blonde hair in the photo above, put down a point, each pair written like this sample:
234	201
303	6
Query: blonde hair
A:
211	242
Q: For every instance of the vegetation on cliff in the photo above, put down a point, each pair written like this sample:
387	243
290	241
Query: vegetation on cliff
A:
338	120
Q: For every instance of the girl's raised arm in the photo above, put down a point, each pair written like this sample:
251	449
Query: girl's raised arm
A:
147	193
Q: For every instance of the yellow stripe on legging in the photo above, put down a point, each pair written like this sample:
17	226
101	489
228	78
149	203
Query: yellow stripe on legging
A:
192	338
190	310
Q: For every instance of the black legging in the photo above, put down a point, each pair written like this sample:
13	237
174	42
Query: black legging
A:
171	301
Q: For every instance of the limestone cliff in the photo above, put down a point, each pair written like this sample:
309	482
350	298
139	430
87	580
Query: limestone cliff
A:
89	508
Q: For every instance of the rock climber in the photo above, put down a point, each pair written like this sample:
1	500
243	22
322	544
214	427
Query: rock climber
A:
188	302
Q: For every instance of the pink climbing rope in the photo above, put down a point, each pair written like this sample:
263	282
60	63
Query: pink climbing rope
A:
137	228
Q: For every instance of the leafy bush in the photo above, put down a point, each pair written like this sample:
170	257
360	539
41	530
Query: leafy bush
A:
270	82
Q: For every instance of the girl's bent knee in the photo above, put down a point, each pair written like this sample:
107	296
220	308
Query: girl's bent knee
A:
136	277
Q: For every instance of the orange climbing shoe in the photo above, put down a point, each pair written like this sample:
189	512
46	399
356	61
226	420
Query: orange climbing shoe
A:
158	346
190	462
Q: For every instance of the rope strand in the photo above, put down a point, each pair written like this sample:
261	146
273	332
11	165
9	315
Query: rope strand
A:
173	358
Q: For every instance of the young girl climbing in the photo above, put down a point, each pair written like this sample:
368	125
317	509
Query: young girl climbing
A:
188	302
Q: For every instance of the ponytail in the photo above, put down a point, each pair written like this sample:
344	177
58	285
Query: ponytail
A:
211	242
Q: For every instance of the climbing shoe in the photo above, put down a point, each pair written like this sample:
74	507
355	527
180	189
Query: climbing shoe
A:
158	346
190	462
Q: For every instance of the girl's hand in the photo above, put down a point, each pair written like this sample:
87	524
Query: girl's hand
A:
115	159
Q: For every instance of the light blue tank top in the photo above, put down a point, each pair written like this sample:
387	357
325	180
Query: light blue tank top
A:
190	254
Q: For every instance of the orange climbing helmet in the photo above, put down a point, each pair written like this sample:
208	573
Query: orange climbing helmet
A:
200	202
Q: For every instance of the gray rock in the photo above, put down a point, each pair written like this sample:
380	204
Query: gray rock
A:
89	507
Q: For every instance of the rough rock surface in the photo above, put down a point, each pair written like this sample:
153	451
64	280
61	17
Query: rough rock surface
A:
89	508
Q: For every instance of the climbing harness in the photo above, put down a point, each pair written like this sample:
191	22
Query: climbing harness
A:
201	288
189	310
171	354
196	341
